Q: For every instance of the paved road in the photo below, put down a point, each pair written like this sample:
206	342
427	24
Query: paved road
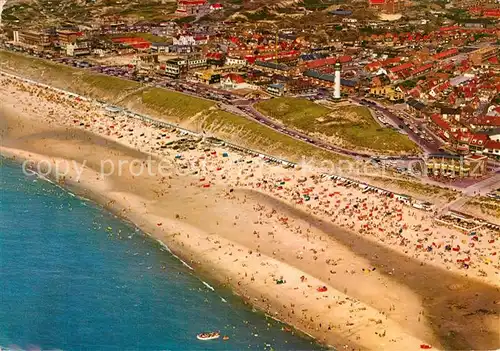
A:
484	187
235	104
259	117
427	146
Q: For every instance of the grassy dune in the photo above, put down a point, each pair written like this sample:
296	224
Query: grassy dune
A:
64	77
438	195
353	126
203	115
189	111
198	114
484	207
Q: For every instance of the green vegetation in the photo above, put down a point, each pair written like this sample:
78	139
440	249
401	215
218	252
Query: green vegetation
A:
321	4
64	77
414	188
354	125
259	137
113	85
202	115
260	15
173	103
478	36
187	19
49	13
195	113
486	206
295	112
409	84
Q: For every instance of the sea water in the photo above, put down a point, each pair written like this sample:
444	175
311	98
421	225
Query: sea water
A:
74	277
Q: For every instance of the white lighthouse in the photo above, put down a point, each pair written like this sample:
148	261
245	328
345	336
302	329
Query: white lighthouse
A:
336	93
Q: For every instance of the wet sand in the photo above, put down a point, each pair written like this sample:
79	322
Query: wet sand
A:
379	295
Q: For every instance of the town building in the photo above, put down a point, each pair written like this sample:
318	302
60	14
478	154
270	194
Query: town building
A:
160	47
235	61
387	6
450	113
78	48
484	122
196	62
215	58
492	149
233	81
28	37
481	56
196	8
174	68
451	166
328	80
276	89
207	77
388	92
272	67
65	37
299	86
466	4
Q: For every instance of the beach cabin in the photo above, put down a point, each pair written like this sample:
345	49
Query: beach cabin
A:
403	198
112	110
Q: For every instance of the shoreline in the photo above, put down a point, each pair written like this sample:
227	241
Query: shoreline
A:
78	190
377	181
218	250
82	192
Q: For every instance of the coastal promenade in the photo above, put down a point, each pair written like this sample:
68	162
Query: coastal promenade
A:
406	199
346	263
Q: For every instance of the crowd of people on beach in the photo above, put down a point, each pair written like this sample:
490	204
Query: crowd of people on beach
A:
208	165
379	217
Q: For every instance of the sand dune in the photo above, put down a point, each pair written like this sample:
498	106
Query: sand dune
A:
243	224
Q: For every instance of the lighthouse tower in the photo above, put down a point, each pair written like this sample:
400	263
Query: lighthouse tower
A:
336	93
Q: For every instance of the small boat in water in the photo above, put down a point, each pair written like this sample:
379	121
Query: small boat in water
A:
208	336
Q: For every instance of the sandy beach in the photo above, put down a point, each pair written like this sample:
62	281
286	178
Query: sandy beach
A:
355	270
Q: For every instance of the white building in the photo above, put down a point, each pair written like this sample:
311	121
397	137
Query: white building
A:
184	40
232	61
77	49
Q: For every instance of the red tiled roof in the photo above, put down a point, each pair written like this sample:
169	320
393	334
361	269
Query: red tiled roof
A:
421	69
129	40
192	2
490	121
377	2
345	59
141	45
462	137
491	13
492	145
235	78
321	62
390	61
446	53
214	55
284	54
441	123
373	65
401	67
493	60
447	29
478	139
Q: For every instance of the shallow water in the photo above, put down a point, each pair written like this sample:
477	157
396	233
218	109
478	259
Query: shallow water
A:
74	277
